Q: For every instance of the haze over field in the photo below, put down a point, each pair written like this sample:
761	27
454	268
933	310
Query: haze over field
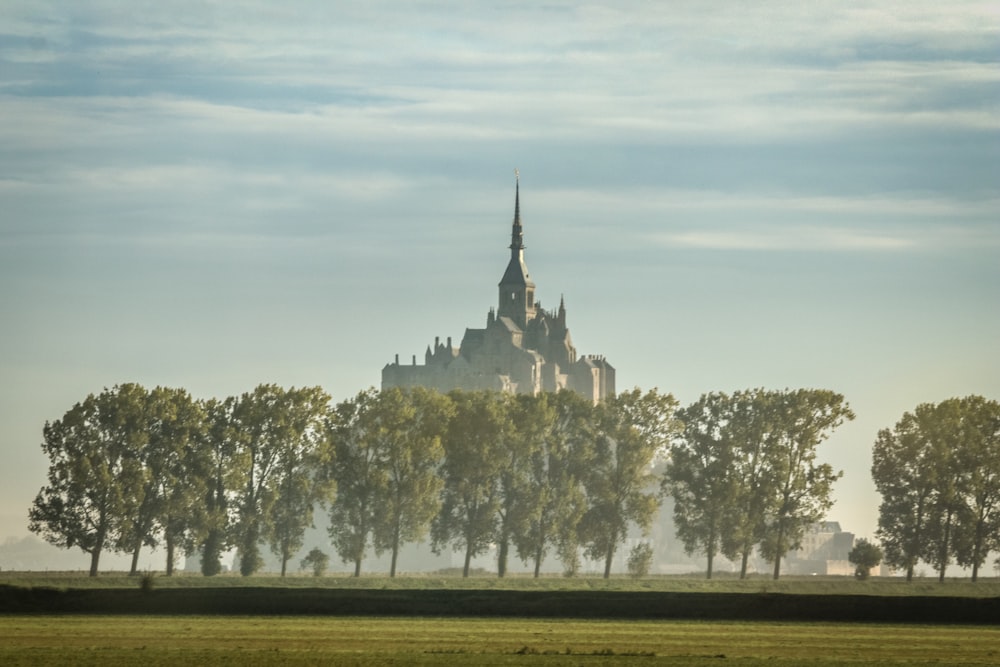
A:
729	195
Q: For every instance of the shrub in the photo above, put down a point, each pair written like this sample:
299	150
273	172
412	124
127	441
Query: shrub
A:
864	556
317	560
640	559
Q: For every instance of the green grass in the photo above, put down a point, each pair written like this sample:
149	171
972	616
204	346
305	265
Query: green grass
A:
680	584
116	640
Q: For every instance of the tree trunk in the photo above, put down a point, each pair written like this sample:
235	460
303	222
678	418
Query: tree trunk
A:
284	564
468	559
357	567
95	557
135	559
743	565
502	557
170	554
710	550
538	561
909	573
395	555
944	548
607	560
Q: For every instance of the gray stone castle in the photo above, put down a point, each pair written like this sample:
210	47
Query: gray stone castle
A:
523	348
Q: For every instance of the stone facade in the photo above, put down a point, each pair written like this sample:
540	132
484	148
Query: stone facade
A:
823	550
523	348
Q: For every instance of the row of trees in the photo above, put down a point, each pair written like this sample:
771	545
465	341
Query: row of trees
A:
744	474
131	468
528	475
938	471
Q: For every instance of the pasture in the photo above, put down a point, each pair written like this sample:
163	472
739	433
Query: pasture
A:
67	618
247	641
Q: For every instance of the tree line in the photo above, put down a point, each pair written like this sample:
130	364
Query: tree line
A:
531	476
938	471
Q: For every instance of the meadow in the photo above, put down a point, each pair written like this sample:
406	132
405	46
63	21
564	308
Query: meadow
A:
117	640
485	620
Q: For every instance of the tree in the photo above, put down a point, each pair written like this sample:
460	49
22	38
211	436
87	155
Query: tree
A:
84	501
749	427
864	556
906	464
224	464
519	499
125	419
699	475
177	443
410	427
979	459
358	474
266	438
632	428
470	498
554	483
802	419
297	479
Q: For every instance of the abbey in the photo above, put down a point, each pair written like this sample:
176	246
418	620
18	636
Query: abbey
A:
523	348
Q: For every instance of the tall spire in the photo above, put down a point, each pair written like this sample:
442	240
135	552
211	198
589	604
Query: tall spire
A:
517	292
517	232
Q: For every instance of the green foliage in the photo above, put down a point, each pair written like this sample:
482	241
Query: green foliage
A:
631	430
938	472
317	561
864	556
801	487
474	457
698	475
275	434
95	477
410	427
553	500
640	559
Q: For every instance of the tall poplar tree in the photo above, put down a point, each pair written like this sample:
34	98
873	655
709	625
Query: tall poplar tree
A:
979	456
801	486
906	466
411	424
699	475
474	456
632	428
555	489
359	475
176	438
297	480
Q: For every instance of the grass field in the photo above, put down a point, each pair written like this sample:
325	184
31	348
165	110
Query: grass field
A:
131	640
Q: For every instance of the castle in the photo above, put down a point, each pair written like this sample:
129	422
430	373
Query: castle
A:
523	348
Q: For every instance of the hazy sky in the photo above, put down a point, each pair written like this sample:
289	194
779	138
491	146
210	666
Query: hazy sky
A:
728	194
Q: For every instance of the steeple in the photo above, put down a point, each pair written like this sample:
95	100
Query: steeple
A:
517	232
517	292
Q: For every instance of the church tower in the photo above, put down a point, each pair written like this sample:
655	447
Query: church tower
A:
517	292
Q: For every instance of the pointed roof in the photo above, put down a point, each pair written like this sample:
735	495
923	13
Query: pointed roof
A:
517	270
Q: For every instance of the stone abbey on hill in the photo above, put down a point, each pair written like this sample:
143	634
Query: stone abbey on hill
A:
523	348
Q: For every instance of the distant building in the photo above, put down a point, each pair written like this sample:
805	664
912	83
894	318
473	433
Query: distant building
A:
824	551
523	348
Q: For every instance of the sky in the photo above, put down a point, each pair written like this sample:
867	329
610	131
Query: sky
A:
728	195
